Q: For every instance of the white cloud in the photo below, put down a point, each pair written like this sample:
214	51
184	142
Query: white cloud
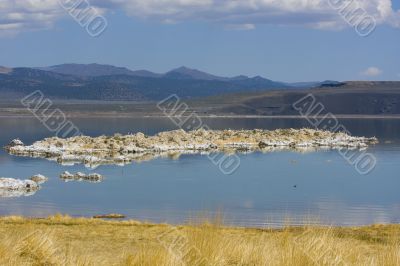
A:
25	15
372	72
18	15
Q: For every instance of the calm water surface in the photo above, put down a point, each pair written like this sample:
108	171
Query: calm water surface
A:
261	192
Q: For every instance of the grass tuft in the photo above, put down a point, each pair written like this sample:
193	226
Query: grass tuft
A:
62	240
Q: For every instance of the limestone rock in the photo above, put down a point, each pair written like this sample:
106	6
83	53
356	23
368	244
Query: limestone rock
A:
121	150
15	143
10	187
39	179
95	178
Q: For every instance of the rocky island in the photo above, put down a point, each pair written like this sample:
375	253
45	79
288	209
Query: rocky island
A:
11	187
93	178
121	150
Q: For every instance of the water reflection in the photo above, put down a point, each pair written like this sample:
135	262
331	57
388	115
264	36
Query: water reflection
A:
268	189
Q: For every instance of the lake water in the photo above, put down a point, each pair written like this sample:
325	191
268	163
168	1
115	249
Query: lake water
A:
270	189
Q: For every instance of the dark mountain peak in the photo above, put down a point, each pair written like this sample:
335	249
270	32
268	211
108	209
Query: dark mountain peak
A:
259	78
240	77
183	69
190	73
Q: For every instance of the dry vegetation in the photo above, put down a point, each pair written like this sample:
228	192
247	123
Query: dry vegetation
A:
62	240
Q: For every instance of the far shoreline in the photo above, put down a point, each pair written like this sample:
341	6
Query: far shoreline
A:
117	115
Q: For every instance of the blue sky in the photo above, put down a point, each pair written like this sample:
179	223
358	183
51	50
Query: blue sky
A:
291	46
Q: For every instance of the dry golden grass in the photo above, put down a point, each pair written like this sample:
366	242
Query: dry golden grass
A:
61	240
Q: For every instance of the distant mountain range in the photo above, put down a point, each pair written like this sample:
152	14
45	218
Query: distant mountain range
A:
106	82
97	70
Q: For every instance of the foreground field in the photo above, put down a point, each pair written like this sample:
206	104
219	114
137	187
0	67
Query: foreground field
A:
61	240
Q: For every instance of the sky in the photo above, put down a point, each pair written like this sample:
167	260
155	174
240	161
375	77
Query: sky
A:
285	40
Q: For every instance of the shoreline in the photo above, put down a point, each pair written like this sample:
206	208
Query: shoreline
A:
117	115
194	221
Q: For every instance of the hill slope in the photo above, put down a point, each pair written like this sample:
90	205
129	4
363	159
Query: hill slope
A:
349	98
